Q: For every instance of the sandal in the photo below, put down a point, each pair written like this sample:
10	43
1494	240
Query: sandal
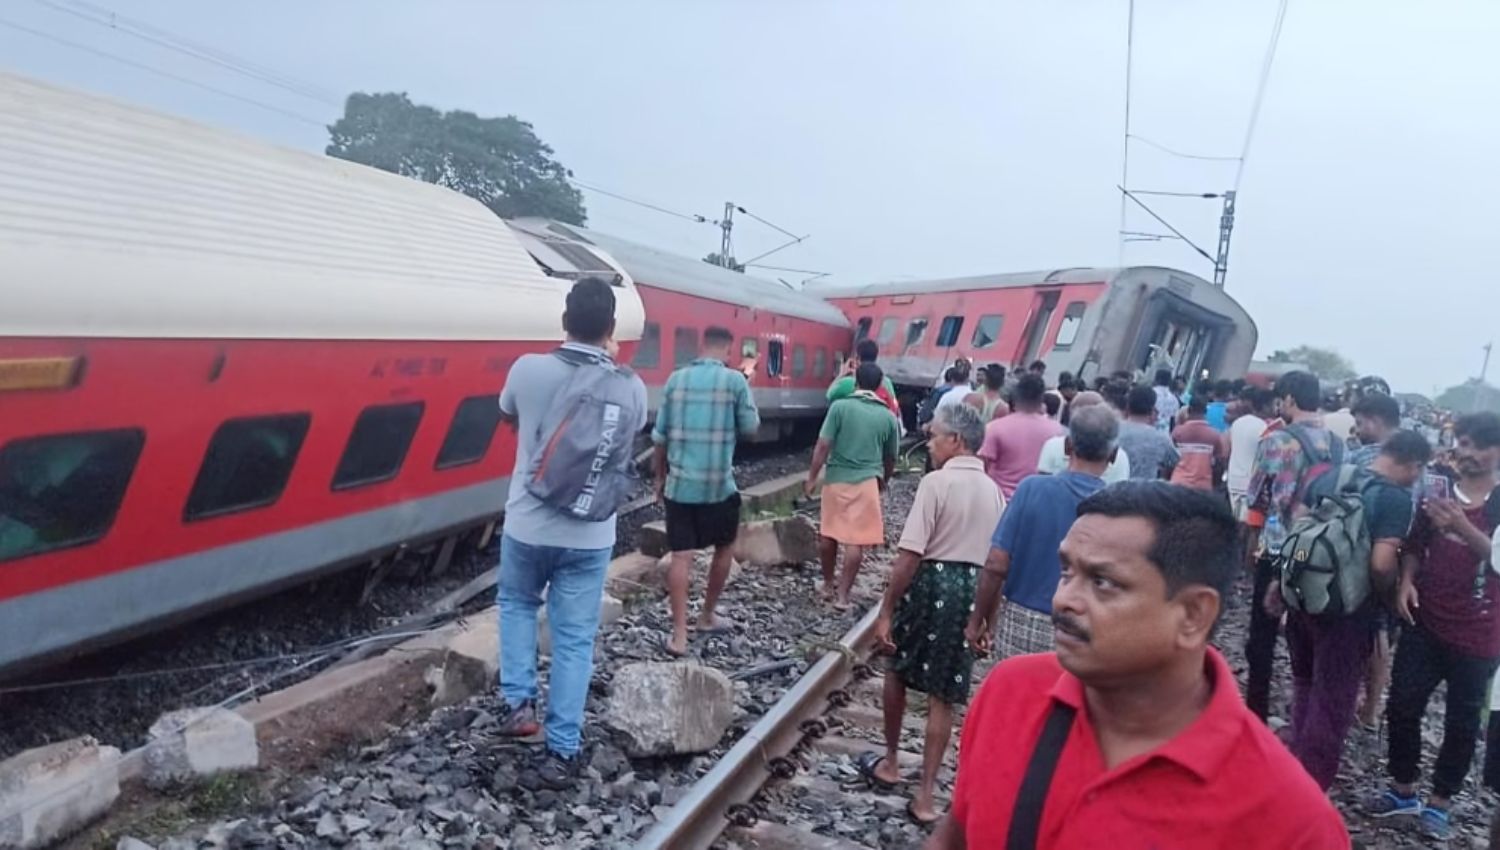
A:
911	815
866	763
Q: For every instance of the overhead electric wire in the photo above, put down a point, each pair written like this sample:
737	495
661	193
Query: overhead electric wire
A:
110	19
154	70
1164	223
650	206
770	225
1164	149
1260	91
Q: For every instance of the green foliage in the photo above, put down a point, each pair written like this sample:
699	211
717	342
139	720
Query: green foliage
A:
497	161
1462	398
1323	362
715	260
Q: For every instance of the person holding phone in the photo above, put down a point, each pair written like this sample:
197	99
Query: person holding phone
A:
1450	597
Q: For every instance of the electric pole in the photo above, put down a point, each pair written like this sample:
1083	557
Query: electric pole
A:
1226	227
726	246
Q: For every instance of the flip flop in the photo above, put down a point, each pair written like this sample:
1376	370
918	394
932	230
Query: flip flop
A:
866	763
666	646
911	815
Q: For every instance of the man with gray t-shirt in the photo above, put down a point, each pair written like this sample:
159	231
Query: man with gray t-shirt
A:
1152	454
547	551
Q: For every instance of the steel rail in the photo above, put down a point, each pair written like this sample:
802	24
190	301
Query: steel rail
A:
698	819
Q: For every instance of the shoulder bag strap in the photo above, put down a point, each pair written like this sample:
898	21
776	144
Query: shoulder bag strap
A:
1026	817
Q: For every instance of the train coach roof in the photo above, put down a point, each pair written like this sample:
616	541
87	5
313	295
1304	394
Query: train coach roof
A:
654	267
957	284
119	221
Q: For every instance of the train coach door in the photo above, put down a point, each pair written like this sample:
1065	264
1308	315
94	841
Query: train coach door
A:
1043	305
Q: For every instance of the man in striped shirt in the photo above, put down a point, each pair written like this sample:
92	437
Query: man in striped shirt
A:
706	405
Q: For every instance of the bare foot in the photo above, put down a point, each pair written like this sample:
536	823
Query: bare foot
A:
887	771
923	813
826	593
842	604
675	646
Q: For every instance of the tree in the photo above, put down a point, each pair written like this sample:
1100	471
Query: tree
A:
1323	362
1460	399
498	161
715	260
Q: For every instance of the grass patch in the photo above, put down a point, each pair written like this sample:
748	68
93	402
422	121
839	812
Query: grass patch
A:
151	816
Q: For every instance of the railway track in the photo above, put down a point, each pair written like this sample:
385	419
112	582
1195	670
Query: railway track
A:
783	783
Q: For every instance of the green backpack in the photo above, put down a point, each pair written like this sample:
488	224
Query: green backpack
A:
1325	561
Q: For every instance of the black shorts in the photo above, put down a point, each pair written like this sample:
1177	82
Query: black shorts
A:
1492	753
691	527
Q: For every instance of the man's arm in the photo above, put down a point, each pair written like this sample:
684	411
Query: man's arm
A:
747	416
842	386
820	457
903	570
659	470
987	597
1385	564
508	413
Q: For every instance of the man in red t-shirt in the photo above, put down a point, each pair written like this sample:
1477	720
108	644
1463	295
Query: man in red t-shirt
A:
1152	745
1201	448
1449	593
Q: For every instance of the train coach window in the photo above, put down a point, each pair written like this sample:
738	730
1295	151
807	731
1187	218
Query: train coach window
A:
247	464
915	330
377	445
799	361
948	332
820	362
63	490
862	329
1067	330
648	350
888	328
749	347
773	357
471	432
684	346
987	330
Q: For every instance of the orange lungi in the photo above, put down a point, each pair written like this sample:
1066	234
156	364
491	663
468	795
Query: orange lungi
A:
851	513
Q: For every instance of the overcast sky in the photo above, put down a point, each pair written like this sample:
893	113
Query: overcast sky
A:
936	138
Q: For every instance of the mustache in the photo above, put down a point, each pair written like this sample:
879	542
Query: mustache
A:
1071	628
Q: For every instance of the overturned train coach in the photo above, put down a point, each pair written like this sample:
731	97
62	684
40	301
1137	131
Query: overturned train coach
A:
1087	321
226	367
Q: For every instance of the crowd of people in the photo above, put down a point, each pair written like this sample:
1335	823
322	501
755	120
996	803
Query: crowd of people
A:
1091	538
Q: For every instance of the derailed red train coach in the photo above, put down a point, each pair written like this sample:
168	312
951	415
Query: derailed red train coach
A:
1088	321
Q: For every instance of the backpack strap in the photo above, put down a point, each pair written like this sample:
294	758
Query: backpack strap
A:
1026	817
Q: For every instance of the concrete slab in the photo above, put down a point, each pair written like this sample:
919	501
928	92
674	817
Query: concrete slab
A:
471	660
50	792
195	742
632	573
774	496
772	542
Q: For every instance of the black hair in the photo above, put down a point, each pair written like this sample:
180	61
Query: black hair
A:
1030	389
1195	532
1223	388
1066	382
1123	375
1037	366
868	376
1064	376
715	335
1302	387
953	374
1379	406
1262	399
1483	429
865	351
1407	447
1164	377
1198	404
1052	403
994	376
1117	395
1100	382
1141	401
590	312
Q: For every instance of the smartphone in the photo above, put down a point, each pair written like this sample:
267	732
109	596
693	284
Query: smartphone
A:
1437	488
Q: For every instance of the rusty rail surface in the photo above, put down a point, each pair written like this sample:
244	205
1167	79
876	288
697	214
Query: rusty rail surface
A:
698	819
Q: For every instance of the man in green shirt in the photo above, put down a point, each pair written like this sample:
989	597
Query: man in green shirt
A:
858	446
865	351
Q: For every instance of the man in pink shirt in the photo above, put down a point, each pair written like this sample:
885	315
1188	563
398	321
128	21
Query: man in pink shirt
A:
1013	443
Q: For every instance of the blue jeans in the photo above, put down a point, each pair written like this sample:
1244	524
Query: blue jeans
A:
574	583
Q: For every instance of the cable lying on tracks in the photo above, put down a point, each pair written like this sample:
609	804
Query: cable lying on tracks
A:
720	796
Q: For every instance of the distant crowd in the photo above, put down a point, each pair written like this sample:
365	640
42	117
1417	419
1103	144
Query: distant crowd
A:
1091	538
